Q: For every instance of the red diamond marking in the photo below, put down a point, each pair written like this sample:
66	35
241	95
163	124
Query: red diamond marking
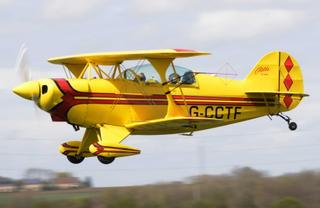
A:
288	82
287	100
288	64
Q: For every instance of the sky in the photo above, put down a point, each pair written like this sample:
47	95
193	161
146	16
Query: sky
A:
237	32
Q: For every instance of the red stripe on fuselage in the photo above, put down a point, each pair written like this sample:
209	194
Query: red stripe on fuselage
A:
59	112
221	103
194	97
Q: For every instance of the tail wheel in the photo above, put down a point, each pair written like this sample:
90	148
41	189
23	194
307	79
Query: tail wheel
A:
75	159
105	160
293	126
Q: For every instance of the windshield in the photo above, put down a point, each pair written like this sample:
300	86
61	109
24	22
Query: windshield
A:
182	75
146	73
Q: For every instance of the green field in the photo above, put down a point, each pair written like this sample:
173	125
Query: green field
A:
73	198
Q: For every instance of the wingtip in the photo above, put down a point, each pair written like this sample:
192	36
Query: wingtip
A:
183	50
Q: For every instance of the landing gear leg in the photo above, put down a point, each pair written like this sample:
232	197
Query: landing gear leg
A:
292	125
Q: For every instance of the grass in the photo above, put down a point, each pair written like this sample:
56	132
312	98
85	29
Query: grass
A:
6	199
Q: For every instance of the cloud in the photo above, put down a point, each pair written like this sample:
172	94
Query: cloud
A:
62	9
260	2
5	2
10	77
240	24
163	6
194	7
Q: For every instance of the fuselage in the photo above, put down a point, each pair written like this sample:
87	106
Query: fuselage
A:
89	102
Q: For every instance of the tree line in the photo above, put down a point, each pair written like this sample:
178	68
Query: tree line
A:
242	188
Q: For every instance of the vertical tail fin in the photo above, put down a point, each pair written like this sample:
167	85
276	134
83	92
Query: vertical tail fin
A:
277	74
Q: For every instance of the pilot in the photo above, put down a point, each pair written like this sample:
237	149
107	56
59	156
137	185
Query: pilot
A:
142	77
174	78
188	78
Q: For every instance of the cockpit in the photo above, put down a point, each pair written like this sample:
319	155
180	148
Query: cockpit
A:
148	75
140	73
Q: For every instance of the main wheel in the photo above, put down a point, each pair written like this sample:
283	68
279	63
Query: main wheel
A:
75	159
293	126
105	160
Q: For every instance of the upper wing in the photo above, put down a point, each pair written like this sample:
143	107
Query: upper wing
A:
111	58
171	125
77	63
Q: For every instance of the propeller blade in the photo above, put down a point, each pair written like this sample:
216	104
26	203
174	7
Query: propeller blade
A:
24	74
22	64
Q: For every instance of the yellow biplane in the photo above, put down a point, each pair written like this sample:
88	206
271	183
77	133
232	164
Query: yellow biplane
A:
157	97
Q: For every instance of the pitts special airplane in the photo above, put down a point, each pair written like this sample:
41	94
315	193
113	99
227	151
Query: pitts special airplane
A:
157	98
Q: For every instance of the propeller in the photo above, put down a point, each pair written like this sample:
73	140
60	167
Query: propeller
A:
28	89
22	64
